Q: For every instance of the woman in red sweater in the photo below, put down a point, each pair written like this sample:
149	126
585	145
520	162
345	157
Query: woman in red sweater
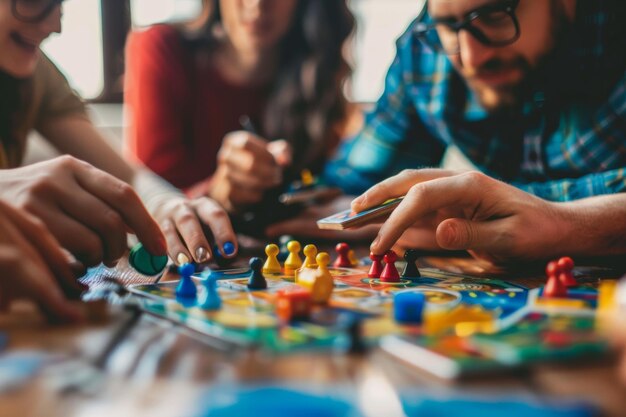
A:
277	63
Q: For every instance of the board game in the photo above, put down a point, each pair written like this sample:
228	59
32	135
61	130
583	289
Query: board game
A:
470	325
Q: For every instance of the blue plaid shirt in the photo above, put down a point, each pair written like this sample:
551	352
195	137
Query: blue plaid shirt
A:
568	142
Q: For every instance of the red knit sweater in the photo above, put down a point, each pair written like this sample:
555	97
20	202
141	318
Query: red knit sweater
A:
179	108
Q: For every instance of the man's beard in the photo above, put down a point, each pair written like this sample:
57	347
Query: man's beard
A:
511	97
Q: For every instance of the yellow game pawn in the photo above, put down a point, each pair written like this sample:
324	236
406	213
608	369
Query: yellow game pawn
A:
352	257
309	252
319	281
293	261
307	178
271	266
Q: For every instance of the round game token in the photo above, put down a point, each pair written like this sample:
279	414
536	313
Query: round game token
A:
144	262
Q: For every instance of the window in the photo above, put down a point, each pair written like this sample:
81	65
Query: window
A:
149	12
77	51
379	24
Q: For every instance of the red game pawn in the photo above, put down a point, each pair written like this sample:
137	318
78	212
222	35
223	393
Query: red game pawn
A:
567	279
343	260
552	269
554	288
390	273
566	264
377	265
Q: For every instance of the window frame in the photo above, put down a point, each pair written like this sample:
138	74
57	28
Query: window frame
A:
116	23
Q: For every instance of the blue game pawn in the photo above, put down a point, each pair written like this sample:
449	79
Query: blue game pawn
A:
408	307
186	287
212	300
257	280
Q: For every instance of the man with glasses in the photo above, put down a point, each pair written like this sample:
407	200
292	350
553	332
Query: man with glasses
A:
531	92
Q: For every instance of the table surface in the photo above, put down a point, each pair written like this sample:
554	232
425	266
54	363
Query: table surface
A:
140	365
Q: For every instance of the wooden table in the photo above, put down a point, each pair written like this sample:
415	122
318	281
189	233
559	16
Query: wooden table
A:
157	368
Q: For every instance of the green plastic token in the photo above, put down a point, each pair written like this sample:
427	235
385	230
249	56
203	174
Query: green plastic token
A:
144	262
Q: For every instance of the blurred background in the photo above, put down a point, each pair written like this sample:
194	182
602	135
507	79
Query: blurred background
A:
90	50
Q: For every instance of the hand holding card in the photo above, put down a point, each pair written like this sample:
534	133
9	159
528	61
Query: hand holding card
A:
348	219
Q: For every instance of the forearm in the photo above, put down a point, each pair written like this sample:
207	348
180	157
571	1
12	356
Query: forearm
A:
568	189
595	226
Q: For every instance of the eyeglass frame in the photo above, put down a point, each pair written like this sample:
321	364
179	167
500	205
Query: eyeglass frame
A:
421	28
34	19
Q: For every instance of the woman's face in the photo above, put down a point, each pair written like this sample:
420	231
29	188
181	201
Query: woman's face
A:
20	41
254	25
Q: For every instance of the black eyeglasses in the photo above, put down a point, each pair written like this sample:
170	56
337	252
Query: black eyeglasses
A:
33	11
493	25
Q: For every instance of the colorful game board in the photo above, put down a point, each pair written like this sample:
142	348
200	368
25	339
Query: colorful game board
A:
471	325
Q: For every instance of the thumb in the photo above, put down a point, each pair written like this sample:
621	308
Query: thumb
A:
282	152
461	234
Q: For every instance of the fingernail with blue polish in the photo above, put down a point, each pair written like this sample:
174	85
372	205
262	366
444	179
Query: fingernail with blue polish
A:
229	248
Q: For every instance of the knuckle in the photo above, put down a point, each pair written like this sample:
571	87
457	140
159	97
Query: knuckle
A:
111	221
124	192
475	177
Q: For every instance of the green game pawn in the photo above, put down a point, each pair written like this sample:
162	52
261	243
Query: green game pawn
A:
144	262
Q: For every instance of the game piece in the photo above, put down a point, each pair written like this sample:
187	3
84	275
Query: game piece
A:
212	301
348	219
293	261
552	269
271	266
377	265
566	264
353	326
228	248
293	304
567	279
310	251
306	178
144	262
186	287
318	281
464	320
566	275
390	273
353	259
410	269
257	280
342	261
408	307
554	288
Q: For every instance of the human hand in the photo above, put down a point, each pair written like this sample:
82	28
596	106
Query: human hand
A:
87	210
183	221
305	223
247	166
34	266
490	219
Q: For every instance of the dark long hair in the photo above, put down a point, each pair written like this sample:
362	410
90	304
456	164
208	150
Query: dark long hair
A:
306	98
